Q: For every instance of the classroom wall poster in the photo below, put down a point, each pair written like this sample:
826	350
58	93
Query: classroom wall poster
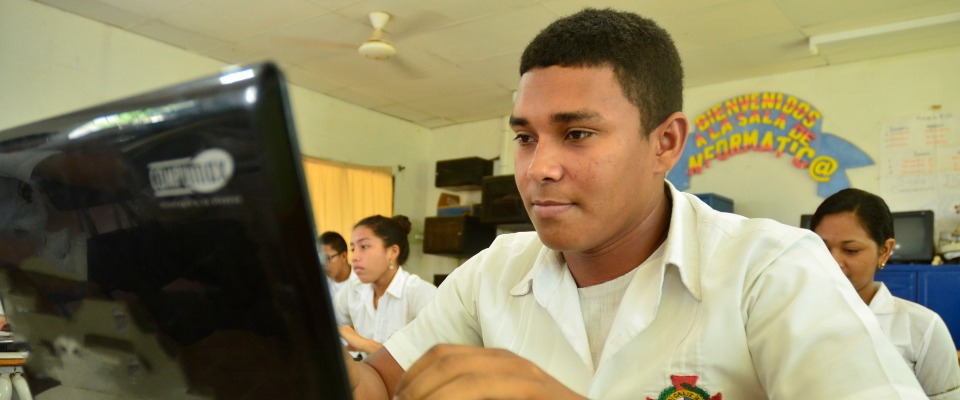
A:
780	124
920	166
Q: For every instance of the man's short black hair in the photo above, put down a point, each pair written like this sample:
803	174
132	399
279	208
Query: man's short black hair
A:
641	53
334	240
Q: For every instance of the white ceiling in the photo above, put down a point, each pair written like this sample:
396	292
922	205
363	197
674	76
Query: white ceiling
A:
457	60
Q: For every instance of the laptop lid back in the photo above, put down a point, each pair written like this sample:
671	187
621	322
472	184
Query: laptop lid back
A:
162	246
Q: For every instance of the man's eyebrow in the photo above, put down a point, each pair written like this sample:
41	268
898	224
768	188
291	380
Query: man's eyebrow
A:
574	116
518	121
563	117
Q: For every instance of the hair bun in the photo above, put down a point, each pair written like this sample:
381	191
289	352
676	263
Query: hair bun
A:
404	223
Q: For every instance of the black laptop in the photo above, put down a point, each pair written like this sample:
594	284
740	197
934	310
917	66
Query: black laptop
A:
162	246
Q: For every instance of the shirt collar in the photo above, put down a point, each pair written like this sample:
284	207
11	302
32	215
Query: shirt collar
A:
682	247
395	289
397	284
550	271
548	267
882	302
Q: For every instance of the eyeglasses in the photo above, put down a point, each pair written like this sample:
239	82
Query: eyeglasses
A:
329	257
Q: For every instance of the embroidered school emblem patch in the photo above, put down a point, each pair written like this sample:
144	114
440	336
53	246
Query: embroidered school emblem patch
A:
685	388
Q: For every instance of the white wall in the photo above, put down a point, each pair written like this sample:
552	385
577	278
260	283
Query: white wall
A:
52	62
855	100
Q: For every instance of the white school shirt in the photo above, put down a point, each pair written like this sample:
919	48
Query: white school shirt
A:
403	300
336	287
923	340
738	308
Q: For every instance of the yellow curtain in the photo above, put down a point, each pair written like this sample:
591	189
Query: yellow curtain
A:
342	194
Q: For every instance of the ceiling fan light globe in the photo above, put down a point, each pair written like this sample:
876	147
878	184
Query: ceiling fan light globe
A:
377	50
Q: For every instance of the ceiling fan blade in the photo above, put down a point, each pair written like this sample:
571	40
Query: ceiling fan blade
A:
313	43
411	26
406	68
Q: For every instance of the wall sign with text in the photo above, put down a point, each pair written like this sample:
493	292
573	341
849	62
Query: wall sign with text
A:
768	122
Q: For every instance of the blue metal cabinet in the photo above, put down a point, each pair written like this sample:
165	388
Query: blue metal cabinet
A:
901	280
935	287
937	290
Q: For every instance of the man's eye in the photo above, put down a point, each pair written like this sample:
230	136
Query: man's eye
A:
523	138
577	135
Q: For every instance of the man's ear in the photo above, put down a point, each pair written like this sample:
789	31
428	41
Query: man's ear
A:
670	136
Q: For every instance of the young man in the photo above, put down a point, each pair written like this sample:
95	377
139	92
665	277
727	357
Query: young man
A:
333	249
629	288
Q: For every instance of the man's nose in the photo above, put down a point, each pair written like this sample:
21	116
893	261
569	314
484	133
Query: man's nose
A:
546	165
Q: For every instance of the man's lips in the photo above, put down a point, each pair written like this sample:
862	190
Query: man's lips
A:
550	208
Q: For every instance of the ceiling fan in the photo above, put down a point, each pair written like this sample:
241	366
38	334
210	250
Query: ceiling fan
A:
376	47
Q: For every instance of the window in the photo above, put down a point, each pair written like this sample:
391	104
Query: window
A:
343	194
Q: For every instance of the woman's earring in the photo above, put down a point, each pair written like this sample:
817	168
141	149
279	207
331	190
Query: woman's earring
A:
882	265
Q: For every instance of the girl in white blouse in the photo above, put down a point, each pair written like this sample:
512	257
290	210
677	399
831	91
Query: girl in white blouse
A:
385	297
857	228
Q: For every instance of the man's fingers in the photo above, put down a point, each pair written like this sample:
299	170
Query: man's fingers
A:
492	385
456	369
432	356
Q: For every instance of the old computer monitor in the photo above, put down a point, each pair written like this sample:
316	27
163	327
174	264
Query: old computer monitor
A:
162	246
913	231
914	235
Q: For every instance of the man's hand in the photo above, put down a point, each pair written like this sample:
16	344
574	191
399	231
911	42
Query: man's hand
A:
464	372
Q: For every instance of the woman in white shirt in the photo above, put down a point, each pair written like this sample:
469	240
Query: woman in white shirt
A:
385	297
857	228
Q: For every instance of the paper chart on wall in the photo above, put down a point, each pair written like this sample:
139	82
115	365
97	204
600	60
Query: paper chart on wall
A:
920	166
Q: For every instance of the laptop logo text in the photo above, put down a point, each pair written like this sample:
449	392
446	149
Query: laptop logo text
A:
207	172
